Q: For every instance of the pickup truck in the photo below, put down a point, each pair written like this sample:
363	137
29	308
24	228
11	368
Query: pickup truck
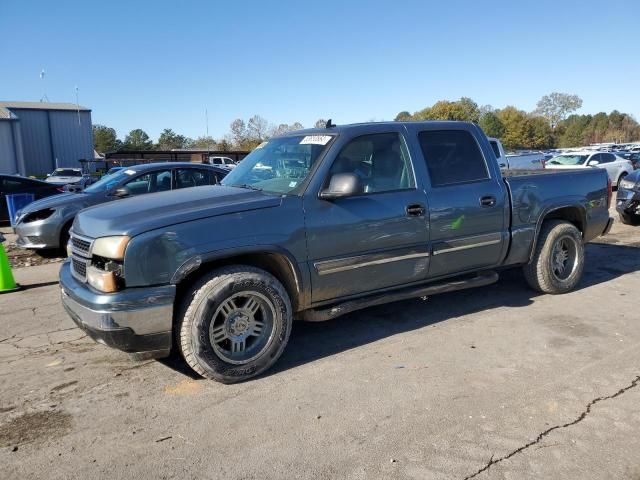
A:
521	161
345	217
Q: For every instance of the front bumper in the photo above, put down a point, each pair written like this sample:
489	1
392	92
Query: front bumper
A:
37	235
135	320
628	201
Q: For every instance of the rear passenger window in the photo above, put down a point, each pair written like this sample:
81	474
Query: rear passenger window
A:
452	156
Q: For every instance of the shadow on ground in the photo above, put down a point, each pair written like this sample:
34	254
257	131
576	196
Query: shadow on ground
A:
313	341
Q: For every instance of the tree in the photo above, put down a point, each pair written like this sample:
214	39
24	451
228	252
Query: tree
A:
137	140
257	128
516	129
556	106
320	123
203	143
403	116
169	140
285	128
464	109
492	125
105	139
238	132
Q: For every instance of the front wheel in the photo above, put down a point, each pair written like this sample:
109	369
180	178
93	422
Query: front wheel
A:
558	261
234	323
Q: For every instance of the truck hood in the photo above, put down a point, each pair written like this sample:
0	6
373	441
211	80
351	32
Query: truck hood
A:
136	215
61	200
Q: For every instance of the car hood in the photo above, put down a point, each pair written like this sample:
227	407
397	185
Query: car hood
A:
63	180
552	166
136	215
62	200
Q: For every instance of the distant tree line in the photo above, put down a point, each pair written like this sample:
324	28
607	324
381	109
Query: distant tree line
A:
242	136
552	124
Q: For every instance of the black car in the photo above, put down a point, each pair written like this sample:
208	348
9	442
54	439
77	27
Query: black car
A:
628	199
12	184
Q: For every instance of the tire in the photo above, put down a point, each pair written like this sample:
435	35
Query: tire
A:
546	272
224	336
629	218
620	178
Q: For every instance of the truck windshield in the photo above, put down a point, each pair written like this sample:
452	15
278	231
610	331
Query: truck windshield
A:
280	165
568	160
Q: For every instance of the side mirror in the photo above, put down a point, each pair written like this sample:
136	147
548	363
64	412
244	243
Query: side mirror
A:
121	192
342	185
593	163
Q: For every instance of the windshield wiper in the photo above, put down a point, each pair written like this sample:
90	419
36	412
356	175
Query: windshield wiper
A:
245	185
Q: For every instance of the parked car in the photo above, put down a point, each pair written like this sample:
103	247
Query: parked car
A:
628	199
526	161
222	162
617	168
45	224
14	184
347	217
72	178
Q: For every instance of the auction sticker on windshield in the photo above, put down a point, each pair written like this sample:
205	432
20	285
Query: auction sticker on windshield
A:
315	140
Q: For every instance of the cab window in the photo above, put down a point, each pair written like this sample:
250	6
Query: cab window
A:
381	161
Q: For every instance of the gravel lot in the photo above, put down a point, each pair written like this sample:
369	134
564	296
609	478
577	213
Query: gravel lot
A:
496	382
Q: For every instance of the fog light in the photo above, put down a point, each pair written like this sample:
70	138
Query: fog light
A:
101	280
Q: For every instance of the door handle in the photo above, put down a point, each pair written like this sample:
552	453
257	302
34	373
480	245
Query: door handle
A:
415	210
488	201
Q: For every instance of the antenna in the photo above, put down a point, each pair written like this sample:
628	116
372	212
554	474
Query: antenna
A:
329	124
44	97
78	107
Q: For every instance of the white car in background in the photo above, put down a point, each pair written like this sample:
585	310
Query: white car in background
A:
71	178
225	162
617	167
523	161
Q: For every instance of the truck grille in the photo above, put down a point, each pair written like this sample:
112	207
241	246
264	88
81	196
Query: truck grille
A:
80	256
79	268
80	245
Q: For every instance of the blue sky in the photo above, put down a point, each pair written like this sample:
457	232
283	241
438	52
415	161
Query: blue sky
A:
157	64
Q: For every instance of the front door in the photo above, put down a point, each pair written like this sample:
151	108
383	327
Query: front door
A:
373	240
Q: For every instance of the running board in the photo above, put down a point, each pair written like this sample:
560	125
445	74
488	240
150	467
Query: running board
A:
321	315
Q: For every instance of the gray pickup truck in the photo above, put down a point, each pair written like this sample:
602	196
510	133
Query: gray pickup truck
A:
315	224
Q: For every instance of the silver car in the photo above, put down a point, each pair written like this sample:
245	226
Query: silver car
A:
45	224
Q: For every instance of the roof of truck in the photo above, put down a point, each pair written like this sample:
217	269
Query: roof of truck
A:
367	125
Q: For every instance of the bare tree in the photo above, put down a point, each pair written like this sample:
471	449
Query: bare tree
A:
257	128
555	107
320	123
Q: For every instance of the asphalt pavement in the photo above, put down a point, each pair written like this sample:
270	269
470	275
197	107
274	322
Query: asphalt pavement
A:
492	383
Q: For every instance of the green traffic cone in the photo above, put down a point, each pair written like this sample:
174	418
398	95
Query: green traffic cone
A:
7	283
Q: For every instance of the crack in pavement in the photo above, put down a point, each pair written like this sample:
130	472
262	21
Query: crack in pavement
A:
539	438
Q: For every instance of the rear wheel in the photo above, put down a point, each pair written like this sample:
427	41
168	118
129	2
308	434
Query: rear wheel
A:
234	323
558	262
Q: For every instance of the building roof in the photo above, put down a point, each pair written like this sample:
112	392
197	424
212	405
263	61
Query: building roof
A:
5	107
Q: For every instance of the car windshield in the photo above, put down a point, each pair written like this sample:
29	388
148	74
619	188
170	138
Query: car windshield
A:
109	181
66	172
280	165
568	160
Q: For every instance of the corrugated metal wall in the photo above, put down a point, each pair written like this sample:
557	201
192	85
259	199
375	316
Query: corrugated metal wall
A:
8	160
71	140
36	143
50	135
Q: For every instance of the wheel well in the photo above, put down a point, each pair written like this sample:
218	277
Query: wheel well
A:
569	214
276	264
65	228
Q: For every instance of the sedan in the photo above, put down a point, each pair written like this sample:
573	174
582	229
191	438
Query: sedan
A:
617	167
45	224
13	184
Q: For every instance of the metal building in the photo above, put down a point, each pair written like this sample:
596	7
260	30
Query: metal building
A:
37	137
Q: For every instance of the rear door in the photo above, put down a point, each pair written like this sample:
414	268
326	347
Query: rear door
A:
467	199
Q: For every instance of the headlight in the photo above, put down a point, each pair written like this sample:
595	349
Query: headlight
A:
38	215
628	184
110	247
101	280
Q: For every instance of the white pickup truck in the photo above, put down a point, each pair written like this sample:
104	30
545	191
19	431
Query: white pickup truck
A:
526	161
